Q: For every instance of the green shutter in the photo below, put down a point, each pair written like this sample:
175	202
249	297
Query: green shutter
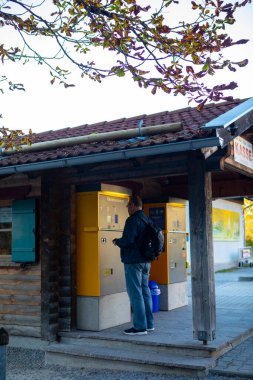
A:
23	231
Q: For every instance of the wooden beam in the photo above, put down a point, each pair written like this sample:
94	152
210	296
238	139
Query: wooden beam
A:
229	163
18	192
130	170
66	291
117	170
73	260
242	187
202	263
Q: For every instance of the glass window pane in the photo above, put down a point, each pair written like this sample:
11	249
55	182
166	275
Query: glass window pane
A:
5	215
5	243
5	230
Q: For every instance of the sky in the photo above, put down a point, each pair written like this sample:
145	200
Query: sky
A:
44	107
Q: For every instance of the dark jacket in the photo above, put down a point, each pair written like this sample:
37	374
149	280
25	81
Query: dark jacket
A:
128	243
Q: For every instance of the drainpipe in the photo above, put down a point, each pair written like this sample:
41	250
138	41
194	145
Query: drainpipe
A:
96	137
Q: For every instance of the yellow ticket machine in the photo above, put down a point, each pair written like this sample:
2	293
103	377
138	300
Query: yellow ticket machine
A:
169	271
102	301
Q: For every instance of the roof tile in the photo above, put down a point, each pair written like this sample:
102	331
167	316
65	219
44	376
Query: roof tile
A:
191	119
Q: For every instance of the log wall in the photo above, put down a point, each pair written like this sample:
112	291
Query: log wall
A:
20	300
20	286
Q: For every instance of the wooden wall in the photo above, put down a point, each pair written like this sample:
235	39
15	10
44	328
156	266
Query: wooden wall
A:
39	300
20	299
20	287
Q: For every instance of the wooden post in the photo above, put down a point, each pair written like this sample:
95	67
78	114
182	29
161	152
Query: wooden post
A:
4	340
202	264
49	258
56	265
66	292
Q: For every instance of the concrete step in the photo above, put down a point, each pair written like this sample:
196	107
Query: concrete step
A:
108	350
135	344
104	356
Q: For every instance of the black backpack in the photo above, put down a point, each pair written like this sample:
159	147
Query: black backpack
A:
151	244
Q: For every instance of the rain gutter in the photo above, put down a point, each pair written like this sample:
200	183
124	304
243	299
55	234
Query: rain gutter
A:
113	156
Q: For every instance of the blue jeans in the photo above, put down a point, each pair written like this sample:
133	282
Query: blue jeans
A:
137	276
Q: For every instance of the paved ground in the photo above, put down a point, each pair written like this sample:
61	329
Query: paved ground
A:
29	365
239	360
234	316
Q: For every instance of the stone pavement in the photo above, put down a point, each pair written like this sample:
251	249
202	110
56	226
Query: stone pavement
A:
239	360
234	326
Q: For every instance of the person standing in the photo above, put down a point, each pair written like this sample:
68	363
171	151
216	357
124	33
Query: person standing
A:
136	268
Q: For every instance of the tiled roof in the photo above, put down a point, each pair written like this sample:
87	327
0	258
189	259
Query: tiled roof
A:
192	120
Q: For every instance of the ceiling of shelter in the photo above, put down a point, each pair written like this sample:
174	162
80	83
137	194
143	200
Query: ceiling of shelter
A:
224	185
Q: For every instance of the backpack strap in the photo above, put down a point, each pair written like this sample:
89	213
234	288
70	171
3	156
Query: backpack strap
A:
143	217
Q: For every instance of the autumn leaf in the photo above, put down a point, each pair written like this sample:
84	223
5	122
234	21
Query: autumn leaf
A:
157	53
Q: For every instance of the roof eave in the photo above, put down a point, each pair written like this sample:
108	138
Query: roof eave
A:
125	154
230	117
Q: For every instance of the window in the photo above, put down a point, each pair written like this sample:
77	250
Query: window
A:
18	231
24	231
5	230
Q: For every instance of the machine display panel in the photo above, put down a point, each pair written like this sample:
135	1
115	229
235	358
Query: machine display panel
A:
157	214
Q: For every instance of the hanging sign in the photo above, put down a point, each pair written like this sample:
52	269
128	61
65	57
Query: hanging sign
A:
243	152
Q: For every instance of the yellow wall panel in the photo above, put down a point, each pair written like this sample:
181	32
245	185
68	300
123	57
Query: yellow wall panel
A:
88	264
88	279
87	204
160	268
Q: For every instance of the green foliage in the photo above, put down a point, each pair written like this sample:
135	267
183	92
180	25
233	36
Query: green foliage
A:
157	54
234	269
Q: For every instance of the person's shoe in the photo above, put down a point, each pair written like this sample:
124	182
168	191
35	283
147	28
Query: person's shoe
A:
133	331
151	329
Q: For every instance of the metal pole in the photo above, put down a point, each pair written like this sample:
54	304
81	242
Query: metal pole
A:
4	340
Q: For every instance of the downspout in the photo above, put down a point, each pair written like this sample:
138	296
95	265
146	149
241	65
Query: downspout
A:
96	137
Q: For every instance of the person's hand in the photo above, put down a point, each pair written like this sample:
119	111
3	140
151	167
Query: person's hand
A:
114	241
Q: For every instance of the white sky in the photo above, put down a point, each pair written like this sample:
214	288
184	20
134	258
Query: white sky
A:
45	107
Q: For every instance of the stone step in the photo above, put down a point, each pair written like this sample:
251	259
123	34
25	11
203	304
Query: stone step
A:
125	358
140	343
142	353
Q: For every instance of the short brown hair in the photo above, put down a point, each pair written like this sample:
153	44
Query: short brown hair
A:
136	201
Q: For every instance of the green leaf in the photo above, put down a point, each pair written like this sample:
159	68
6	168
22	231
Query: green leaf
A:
120	72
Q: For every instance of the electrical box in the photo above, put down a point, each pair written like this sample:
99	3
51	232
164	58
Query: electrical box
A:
171	264
170	268
101	217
